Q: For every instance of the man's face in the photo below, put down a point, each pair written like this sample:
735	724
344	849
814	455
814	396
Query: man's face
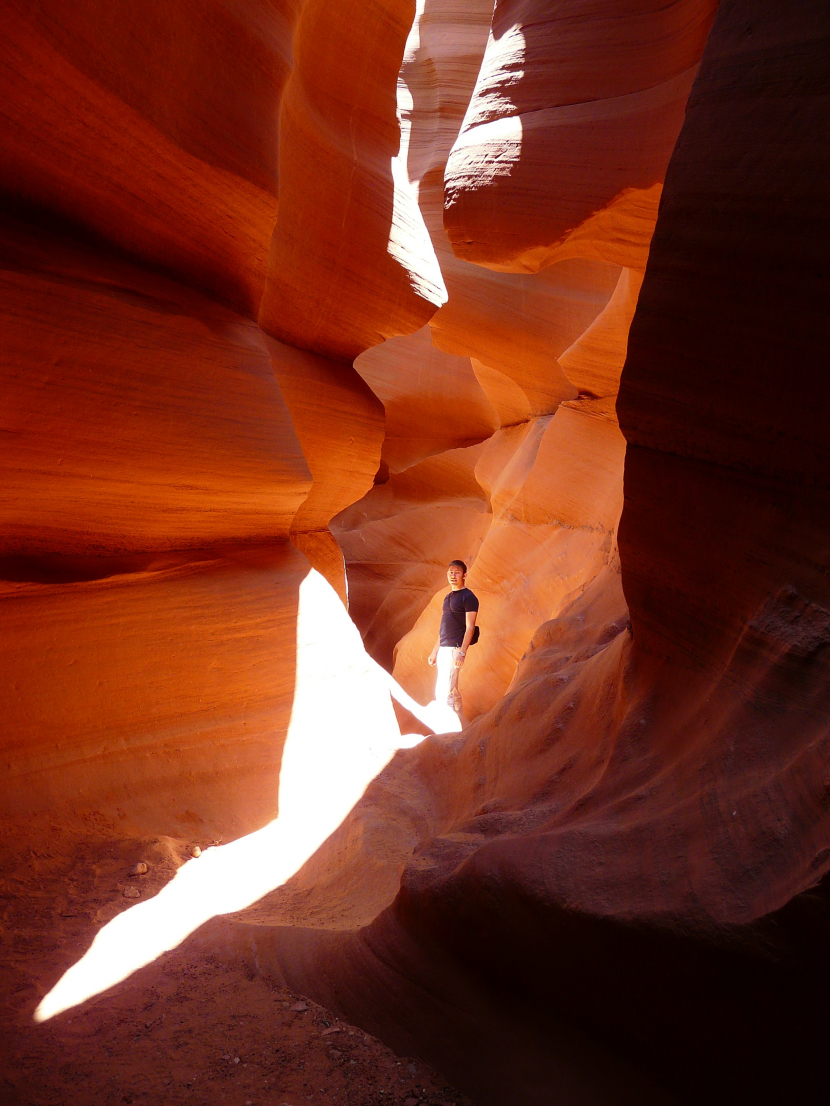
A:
455	575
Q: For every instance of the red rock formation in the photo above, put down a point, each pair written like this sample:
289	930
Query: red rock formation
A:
153	691
350	261
699	665
513	326
555	491
433	401
399	538
616	848
536	340
155	467
179	436
340	426
607	889
570	128
144	128
141	420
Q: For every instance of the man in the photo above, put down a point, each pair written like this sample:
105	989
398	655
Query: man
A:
458	622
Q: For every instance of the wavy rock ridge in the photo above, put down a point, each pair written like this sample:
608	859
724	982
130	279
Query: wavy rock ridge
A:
157	440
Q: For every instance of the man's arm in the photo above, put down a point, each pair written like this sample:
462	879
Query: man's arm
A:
468	637
432	659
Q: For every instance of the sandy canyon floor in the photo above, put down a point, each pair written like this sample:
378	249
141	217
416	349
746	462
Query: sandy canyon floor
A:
187	1028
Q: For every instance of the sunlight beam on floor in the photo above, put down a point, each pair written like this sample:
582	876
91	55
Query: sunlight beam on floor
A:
342	733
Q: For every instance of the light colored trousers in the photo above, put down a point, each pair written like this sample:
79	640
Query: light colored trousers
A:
446	683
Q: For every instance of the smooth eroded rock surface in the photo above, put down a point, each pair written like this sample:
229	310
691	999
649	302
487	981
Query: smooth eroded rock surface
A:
142	126
137	414
350	262
578	253
571	125
173	723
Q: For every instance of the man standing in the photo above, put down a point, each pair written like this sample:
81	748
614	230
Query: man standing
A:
458	622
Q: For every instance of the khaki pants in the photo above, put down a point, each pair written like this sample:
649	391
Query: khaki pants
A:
446	683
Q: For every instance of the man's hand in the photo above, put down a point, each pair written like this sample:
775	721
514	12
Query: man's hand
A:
459	659
432	659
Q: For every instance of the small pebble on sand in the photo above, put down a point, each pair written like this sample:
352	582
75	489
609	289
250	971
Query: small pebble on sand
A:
300	1007
131	893
139	869
195	851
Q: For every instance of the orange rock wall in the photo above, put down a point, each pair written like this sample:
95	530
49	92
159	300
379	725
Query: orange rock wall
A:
617	879
570	128
398	540
432	400
160	448
555	492
350	262
113	119
612	887
340	424
179	436
150	691
535	339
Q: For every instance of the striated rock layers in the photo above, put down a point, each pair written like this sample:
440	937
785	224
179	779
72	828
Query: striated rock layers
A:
160	449
545	341
611	888
615	881
570	128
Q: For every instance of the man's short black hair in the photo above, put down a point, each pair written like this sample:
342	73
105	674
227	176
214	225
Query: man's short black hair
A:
460	564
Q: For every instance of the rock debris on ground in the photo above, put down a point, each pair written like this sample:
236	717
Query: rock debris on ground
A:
184	1030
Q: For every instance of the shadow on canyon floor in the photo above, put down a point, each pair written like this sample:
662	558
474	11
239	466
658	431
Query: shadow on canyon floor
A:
188	1028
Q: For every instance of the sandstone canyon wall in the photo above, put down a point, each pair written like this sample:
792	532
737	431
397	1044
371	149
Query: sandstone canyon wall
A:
631	848
160	447
578	260
546	340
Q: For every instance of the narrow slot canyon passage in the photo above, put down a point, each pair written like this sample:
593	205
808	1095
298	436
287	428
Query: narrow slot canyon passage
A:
302	301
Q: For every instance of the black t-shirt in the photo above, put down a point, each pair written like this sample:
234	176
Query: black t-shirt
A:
453	619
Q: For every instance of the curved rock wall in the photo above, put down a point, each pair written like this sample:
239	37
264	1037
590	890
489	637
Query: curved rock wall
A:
152	473
350	261
617	878
610	888
541	344
161	449
399	538
141	126
570	128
